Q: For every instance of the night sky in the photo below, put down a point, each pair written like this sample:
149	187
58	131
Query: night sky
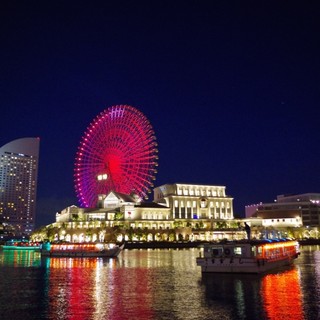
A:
231	88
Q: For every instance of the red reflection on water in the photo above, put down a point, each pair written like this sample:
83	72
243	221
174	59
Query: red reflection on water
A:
281	295
73	263
85	288
70	288
132	296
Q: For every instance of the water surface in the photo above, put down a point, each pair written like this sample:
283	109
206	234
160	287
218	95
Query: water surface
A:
153	284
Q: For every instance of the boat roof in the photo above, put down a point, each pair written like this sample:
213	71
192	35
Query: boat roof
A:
253	242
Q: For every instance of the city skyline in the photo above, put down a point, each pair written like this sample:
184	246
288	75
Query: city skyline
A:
231	90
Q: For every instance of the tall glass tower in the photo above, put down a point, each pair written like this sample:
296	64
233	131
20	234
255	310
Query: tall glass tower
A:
18	184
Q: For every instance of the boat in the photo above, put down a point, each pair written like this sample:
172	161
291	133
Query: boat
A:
247	256
80	249
21	245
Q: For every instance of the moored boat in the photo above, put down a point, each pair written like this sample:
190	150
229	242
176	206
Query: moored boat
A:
249	256
21	245
80	249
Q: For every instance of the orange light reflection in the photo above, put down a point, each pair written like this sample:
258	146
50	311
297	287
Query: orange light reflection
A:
282	295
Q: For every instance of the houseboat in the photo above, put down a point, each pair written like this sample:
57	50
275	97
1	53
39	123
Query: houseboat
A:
80	250
248	256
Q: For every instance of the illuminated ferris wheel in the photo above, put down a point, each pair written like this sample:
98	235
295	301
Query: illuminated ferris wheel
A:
118	152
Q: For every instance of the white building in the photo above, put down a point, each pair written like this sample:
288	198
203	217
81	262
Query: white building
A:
289	210
189	201
129	207
177	209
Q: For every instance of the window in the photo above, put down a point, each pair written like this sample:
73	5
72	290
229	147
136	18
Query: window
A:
238	250
203	203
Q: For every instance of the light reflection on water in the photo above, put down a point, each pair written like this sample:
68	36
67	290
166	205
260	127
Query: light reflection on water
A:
153	284
282	296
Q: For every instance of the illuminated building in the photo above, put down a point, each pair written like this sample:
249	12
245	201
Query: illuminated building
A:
179	212
18	184
126	212
189	201
289	210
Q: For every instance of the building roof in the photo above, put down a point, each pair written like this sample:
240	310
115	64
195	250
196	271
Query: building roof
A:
193	184
123	196
277	214
150	205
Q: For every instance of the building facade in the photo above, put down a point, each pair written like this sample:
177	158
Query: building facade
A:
182	212
117	217
179	212
290	210
189	201
18	184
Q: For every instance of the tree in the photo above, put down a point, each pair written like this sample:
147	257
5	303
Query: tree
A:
75	217
118	216
221	224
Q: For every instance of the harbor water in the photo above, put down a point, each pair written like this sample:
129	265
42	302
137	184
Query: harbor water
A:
151	284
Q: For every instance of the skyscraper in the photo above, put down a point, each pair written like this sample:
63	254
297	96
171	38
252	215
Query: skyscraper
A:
18	184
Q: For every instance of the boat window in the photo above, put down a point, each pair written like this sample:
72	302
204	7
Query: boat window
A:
215	252
259	250
238	250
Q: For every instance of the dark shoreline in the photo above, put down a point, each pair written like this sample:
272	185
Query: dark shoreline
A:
185	245
189	244
162	245
308	242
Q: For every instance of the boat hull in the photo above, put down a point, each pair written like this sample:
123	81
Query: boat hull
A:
230	265
20	248
109	253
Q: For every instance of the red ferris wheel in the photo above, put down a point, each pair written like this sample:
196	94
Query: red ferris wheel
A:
118	152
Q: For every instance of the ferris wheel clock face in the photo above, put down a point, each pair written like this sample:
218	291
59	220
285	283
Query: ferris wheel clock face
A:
118	152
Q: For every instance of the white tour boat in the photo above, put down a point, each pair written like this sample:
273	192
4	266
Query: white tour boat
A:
80	249
248	256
